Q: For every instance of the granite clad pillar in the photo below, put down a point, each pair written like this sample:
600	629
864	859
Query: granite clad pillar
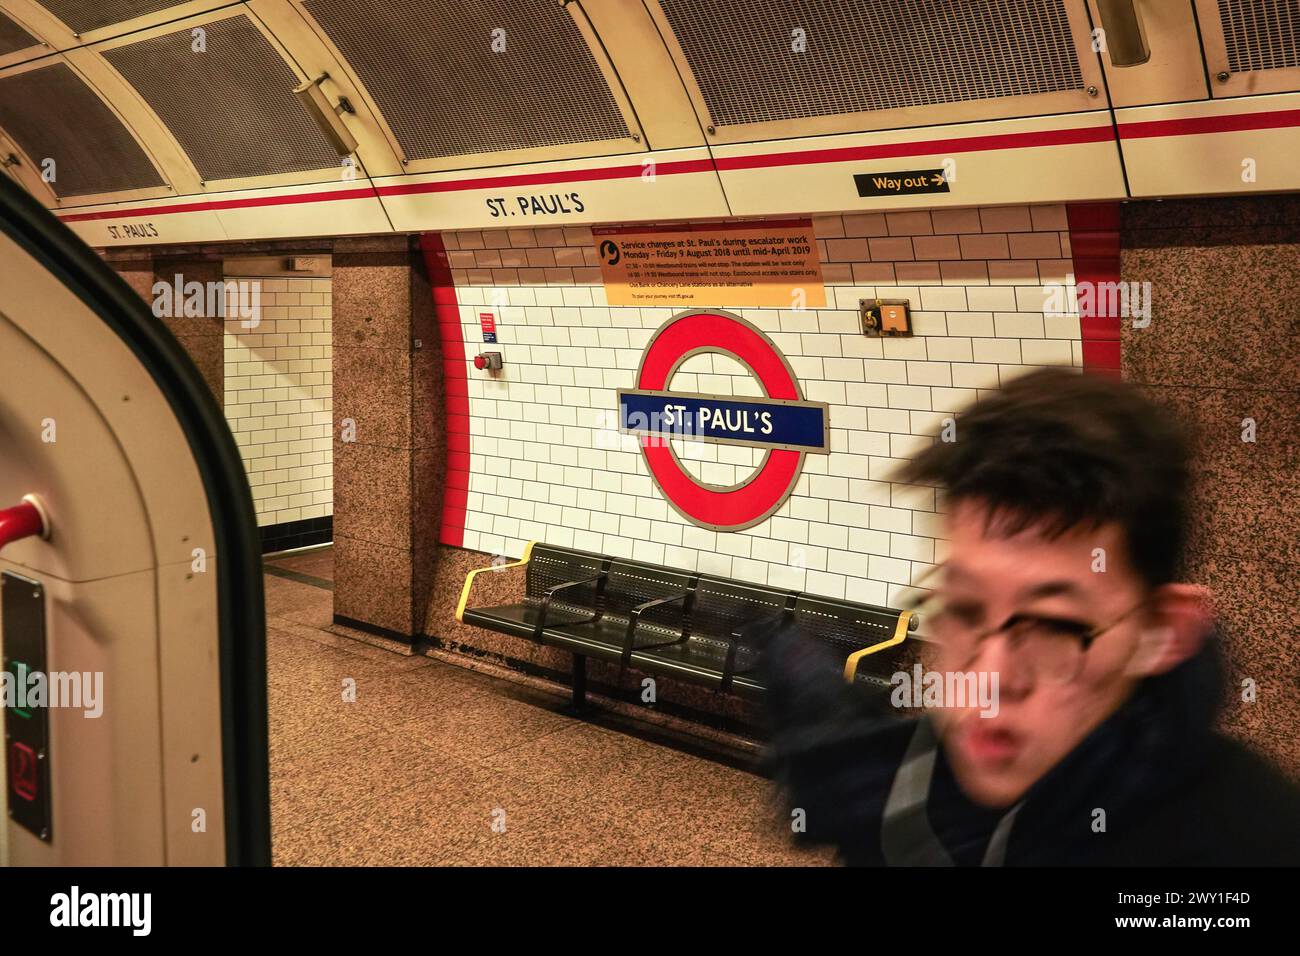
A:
1223	350
202	336
136	267
387	400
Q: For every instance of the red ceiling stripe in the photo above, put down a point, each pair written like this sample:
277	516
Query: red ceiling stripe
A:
1277	119
1198	125
964	144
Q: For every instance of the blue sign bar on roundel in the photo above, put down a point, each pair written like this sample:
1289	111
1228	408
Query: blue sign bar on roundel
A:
755	422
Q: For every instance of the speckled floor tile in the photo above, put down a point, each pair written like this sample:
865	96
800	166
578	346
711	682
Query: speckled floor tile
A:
313	613
319	563
285	597
327	667
433	764
476	726
356	774
392	653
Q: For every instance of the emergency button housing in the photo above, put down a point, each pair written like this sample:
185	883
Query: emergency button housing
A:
488	360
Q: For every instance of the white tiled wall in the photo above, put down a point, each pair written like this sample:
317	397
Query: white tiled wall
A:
279	399
547	462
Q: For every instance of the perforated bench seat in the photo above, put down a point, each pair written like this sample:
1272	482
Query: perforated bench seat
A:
696	627
521	619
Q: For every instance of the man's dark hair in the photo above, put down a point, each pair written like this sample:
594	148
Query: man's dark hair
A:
1059	449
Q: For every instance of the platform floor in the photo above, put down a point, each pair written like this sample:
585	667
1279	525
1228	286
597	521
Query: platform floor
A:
416	770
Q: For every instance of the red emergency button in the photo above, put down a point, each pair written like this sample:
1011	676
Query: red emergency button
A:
24	779
488	360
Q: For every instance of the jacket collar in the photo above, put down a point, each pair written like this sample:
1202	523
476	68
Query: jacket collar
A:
1148	748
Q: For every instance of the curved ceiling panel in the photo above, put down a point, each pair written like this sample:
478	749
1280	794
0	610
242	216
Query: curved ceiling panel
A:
231	107
13	37
52	114
753	65
461	111
431	68
83	16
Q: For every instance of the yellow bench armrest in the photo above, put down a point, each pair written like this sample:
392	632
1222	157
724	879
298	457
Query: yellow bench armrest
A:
900	635
469	578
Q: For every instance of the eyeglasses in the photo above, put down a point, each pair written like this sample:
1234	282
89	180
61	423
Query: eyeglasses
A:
1049	648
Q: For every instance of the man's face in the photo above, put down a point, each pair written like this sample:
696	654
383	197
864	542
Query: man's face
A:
990	577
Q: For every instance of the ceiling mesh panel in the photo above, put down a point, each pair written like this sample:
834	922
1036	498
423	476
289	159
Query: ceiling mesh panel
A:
86	15
231	107
13	37
860	57
52	114
1261	34
431	68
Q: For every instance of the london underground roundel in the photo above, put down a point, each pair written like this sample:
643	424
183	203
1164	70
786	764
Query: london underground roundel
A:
781	422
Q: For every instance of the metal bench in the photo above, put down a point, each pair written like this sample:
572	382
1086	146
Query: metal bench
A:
697	627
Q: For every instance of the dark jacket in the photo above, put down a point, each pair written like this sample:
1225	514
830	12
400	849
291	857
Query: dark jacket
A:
1174	791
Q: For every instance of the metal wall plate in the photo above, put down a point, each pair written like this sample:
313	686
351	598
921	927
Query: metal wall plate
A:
888	317
27	728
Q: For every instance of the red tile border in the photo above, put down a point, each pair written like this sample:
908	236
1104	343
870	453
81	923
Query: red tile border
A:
1094	245
455	494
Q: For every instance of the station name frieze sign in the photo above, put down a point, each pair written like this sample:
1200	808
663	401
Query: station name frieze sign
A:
540	204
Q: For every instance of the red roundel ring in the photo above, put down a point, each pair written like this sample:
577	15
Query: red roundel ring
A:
750	502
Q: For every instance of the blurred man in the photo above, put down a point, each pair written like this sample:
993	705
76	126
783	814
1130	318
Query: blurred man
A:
1066	500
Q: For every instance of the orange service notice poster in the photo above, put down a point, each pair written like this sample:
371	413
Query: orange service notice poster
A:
744	264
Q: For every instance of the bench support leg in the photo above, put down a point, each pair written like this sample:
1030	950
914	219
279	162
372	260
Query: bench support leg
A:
579	682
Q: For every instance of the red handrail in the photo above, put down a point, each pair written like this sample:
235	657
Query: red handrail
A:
22	521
